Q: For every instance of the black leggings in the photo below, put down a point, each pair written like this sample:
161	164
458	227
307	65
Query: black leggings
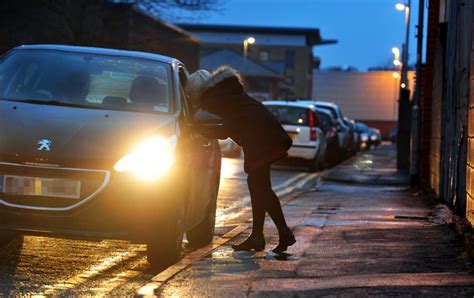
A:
264	200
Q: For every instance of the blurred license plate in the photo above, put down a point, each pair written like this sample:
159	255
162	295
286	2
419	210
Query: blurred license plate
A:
35	186
292	135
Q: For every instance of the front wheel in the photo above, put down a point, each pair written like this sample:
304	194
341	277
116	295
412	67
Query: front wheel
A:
164	249
203	233
6	238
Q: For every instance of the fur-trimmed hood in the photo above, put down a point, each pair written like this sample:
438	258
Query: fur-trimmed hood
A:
201	81
220	74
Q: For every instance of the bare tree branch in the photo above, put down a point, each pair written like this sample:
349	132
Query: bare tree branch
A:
176	10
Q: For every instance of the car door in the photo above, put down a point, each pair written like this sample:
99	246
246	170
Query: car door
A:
200	160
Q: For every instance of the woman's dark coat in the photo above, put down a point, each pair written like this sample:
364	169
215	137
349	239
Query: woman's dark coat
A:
248	122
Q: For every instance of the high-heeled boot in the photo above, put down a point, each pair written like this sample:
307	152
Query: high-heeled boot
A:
254	241
286	239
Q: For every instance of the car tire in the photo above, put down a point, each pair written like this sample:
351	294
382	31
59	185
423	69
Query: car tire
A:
203	233
164	248
6	238
315	164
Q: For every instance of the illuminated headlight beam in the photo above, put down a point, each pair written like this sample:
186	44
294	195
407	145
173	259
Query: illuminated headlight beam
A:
149	160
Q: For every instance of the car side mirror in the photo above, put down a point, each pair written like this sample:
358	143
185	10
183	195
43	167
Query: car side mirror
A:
202	117
209	125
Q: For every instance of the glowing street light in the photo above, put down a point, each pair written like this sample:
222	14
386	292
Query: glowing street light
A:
396	52
247	41
396	60
395	75
400	6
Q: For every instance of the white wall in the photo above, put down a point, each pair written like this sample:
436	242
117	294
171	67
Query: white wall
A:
361	95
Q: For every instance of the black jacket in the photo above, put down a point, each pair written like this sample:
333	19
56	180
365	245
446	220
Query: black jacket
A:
248	122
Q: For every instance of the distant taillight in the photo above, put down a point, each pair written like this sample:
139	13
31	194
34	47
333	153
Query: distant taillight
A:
311	118
313	136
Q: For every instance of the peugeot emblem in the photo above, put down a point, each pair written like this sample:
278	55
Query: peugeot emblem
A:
44	145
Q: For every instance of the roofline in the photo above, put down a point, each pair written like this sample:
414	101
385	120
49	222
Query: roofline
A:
173	27
313	35
275	75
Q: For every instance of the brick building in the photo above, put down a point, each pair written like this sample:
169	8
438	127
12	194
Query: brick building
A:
447	105
110	24
286	52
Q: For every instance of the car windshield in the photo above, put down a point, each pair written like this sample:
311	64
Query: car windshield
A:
292	115
86	80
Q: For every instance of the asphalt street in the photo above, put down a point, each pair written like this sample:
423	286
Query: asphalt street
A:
52	266
360	231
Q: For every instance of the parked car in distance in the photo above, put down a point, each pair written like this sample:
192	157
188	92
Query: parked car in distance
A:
364	135
102	143
229	148
345	139
301	122
375	136
353	144
332	141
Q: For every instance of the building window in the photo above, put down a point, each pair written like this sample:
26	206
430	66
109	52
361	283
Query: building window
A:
290	59
264	56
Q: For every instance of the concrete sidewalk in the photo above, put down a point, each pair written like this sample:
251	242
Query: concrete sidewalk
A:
365	234
370	167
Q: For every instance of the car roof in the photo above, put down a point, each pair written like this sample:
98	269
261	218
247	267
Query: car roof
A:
324	111
99	51
300	104
325	104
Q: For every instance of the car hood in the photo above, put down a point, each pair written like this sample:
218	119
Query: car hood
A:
86	138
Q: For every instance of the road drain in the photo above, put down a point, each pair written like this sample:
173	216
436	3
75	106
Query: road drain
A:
325	210
411	217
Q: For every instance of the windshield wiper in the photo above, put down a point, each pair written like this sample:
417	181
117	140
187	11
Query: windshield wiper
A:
57	103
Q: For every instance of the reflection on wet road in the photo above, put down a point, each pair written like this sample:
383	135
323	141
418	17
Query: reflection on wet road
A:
48	266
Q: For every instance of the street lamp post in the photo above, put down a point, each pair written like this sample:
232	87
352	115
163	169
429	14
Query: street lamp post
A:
404	119
416	110
406	8
247	41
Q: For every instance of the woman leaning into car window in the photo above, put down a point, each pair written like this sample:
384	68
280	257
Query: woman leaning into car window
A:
262	138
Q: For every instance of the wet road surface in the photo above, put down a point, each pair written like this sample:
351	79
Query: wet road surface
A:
51	266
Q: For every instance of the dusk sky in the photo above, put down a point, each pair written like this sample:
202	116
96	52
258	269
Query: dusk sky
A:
366	30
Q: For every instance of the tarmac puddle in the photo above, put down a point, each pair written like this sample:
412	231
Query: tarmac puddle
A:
228	253
222	253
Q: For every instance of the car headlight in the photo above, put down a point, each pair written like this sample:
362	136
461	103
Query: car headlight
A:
150	159
364	138
373	137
